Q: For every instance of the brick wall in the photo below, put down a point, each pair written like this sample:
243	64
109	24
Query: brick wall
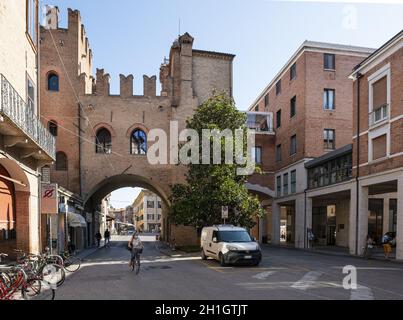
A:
396	125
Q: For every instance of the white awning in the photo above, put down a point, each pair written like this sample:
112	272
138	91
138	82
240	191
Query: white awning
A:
76	220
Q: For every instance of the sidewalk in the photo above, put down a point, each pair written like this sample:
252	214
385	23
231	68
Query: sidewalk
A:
164	248
335	251
82	255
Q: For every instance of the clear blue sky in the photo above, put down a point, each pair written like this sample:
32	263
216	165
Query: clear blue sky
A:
133	36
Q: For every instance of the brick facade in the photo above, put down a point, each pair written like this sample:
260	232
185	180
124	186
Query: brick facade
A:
187	79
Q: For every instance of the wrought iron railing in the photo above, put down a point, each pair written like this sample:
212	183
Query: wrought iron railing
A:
14	107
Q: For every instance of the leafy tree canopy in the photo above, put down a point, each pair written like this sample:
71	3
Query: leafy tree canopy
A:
209	187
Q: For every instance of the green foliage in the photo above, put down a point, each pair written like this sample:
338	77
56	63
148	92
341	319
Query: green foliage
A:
209	187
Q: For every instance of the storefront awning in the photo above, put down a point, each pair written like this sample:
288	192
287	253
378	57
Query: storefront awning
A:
76	220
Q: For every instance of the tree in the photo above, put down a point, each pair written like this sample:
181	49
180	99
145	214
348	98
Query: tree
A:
210	186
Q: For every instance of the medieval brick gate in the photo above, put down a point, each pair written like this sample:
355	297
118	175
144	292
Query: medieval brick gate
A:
102	139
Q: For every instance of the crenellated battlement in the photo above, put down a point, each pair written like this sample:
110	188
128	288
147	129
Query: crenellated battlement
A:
101	85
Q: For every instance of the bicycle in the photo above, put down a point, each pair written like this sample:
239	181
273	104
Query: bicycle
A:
18	280
39	268
70	262
135	261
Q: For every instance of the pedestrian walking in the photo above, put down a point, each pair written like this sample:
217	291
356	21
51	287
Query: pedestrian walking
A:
98	237
369	248
387	245
107	236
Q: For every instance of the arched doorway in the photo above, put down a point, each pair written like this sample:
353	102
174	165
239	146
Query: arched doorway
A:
7	211
94	199
14	208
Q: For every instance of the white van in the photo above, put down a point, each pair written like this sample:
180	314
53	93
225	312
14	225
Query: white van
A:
230	245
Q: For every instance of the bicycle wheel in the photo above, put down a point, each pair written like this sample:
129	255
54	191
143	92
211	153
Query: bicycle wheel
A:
33	287
72	264
5	279
53	275
46	292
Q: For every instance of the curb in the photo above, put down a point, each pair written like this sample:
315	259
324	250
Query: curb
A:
172	253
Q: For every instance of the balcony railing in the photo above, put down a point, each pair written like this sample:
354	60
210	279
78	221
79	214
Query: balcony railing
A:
14	107
379	114
260	122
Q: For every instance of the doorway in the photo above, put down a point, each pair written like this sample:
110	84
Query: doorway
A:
375	220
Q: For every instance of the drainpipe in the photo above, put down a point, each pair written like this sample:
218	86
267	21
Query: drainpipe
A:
359	75
79	149
305	223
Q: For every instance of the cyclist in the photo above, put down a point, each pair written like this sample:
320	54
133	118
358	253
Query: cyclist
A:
136	247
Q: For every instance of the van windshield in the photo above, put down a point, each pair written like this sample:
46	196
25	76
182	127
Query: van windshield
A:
234	236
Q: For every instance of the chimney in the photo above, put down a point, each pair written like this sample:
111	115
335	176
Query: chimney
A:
52	17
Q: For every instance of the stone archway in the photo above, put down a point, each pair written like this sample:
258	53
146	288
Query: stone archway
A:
18	187
108	185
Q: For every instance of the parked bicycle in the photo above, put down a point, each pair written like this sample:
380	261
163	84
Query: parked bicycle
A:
20	278
68	261
71	262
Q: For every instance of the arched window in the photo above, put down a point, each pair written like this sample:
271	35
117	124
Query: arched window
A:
52	126
103	141
53	82
61	161
138	142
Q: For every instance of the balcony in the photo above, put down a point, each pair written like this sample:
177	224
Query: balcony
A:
379	115
22	128
260	122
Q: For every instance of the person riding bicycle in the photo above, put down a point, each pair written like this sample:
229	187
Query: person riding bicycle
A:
136	248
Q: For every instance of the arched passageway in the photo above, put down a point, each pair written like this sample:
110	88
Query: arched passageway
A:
94	198
14	208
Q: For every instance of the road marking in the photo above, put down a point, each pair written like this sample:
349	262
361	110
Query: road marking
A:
374	268
307	280
264	275
362	293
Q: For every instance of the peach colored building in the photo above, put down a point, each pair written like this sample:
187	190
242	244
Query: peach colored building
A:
25	144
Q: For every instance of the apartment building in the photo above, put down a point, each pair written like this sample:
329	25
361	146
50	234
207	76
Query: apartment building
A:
361	183
25	144
147	212
310	103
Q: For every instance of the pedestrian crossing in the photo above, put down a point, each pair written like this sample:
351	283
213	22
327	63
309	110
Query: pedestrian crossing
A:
313	283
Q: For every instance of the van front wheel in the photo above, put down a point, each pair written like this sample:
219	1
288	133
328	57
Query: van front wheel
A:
203	255
222	260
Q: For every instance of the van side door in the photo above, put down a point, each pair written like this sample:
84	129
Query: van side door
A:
214	246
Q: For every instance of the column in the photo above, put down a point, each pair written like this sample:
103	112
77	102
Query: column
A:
276	216
308	219
300	221
399	237
352	219
363	218
386	215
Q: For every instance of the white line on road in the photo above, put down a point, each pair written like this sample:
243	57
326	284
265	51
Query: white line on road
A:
362	293
373	268
264	275
307	281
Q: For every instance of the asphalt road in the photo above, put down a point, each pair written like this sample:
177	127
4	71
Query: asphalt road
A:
284	274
